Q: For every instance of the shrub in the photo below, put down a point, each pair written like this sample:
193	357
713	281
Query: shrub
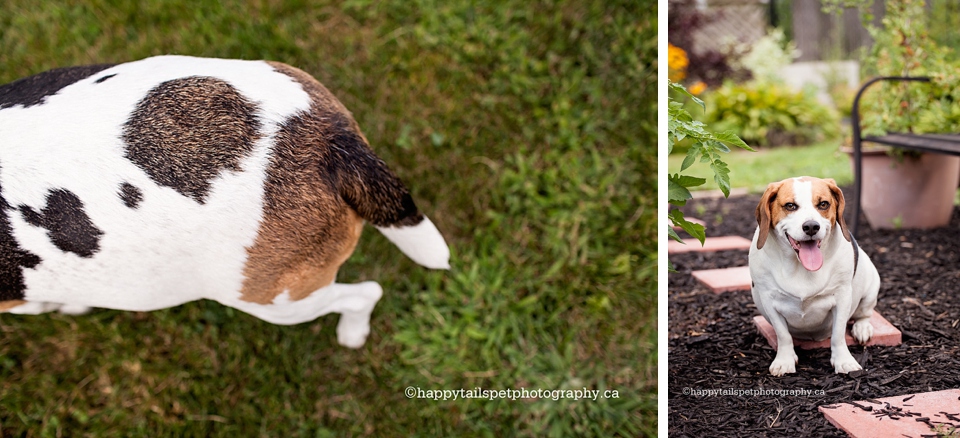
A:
767	57
903	47
771	114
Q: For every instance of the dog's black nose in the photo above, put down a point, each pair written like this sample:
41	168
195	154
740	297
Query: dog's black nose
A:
811	227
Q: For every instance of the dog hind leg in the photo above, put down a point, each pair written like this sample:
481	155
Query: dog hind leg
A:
840	357
354	303
862	329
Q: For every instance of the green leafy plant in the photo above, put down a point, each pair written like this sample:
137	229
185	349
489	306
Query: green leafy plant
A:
903	47
766	57
769	113
705	146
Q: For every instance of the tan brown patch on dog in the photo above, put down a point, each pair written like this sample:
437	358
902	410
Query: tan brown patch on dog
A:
7	305
309	277
323	180
821	193
778	210
186	131
770	210
828	190
300	250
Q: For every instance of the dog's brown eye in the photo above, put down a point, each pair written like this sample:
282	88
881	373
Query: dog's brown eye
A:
790	206
823	205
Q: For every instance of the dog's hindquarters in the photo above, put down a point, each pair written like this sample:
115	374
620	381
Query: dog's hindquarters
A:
370	188
322	183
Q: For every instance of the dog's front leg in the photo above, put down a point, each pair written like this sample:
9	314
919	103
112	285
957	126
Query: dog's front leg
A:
840	357
786	360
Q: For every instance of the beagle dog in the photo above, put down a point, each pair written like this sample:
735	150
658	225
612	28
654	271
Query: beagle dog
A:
148	184
809	276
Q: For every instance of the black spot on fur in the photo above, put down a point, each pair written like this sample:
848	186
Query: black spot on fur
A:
31	216
375	192
186	131
100	80
12	259
130	195
68	226
347	164
32	90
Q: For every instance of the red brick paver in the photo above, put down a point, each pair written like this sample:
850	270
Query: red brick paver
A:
711	244
884	333
725	280
909	415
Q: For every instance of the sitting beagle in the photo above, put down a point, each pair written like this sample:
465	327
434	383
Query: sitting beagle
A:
145	185
809	275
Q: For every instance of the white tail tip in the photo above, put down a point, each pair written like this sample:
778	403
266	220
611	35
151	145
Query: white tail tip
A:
423	243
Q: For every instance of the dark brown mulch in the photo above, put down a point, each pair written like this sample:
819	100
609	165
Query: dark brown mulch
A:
714	345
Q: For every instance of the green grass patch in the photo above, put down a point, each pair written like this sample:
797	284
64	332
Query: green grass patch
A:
754	170
525	130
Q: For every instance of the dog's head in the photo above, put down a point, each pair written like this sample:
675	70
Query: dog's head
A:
801	212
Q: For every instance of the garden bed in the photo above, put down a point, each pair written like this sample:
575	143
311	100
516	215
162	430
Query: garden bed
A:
713	343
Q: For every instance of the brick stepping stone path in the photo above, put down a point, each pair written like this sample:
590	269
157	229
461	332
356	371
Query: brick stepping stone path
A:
908	415
725	280
711	244
718	280
884	333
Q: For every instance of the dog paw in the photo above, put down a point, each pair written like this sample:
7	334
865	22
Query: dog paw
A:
844	365
862	331
784	364
352	334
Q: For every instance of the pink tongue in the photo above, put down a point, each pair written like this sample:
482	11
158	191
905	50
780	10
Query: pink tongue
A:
810	255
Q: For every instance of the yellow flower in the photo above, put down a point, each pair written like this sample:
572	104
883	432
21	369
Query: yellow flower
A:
697	88
677	62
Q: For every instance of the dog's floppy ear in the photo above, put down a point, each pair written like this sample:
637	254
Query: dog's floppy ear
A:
763	211
840	203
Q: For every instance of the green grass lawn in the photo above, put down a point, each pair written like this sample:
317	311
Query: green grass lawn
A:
525	130
754	170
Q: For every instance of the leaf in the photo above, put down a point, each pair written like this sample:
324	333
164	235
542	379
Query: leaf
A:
691	157
682	90
721	174
688	181
719	145
697	231
677	194
673	234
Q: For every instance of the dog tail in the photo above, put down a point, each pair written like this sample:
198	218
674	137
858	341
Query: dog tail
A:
377	195
423	243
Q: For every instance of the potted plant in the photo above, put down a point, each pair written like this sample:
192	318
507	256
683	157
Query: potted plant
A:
906	188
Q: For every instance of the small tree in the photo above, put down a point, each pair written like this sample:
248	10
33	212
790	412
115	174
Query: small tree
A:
705	146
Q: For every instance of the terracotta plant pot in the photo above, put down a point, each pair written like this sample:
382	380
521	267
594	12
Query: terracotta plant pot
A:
908	193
